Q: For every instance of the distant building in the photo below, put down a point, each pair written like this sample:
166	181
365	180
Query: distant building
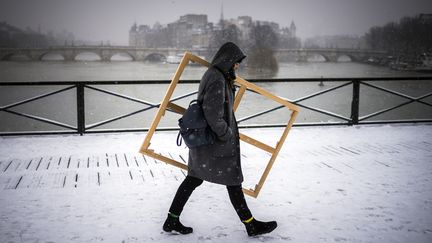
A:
243	23
273	25
288	38
196	21
194	31
144	36
191	30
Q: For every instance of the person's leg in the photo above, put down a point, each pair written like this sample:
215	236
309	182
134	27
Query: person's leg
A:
183	193
253	226
238	201
172	223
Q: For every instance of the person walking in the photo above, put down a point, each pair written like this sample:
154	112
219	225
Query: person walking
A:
218	162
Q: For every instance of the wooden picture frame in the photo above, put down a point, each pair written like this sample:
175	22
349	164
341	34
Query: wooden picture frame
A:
244	85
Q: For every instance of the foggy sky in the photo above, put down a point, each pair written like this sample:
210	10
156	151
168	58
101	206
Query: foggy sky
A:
102	20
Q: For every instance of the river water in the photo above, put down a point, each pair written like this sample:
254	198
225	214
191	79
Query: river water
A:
124	70
100	107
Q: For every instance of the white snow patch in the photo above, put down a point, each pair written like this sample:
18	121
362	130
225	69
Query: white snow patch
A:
329	184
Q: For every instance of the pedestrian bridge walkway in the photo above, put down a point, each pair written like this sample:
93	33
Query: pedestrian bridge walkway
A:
329	184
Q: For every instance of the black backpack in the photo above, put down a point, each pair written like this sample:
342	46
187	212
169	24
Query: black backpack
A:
194	128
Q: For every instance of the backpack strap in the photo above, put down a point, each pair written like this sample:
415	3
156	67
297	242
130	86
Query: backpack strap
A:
195	101
179	139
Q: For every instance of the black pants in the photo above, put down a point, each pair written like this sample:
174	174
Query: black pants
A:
190	183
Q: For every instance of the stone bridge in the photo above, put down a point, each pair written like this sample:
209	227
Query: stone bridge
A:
329	55
105	53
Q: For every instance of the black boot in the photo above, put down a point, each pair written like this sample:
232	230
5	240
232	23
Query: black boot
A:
172	224
256	227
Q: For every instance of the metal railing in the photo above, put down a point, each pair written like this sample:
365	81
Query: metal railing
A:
353	119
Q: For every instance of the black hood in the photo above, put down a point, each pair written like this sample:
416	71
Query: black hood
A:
227	55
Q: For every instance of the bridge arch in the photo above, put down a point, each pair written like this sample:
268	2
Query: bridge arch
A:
317	57
155	57
122	56
346	58
5	56
92	56
52	56
13	56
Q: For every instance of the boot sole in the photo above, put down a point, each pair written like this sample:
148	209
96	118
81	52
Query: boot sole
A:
266	232
175	232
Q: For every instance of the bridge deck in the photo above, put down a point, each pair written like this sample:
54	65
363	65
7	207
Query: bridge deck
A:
105	53
351	184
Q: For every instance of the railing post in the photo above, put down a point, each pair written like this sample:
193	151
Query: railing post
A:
355	104
80	108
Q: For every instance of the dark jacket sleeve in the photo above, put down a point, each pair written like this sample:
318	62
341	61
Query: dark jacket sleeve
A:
213	107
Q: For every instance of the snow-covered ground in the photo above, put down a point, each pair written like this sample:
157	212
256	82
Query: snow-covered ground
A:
329	184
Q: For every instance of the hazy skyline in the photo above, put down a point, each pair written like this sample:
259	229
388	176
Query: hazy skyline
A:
102	20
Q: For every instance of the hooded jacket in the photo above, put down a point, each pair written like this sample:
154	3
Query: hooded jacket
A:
219	162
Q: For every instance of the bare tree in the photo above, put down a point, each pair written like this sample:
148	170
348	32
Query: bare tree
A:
261	54
411	36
